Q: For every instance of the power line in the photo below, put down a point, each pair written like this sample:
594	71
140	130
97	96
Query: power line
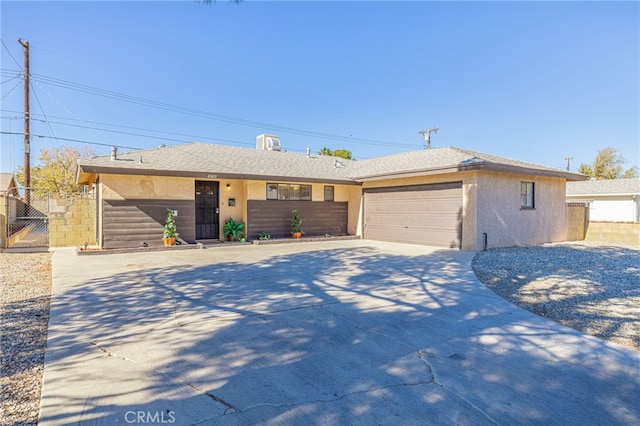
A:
72	140
12	78
45	116
203	114
9	52
194	137
12	89
71	112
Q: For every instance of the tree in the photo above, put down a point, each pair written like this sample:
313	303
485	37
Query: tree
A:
342	153
325	151
608	165
57	172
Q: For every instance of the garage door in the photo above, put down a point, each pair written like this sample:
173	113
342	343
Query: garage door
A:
417	214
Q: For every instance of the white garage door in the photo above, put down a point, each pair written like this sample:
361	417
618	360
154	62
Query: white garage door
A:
416	214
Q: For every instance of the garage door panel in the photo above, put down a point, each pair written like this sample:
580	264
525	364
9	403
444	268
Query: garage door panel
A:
425	214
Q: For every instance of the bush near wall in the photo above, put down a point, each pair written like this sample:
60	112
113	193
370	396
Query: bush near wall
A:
72	222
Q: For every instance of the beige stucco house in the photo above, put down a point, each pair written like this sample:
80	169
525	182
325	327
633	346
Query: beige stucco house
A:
446	197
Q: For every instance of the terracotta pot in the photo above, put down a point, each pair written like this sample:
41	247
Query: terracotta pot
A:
296	235
169	241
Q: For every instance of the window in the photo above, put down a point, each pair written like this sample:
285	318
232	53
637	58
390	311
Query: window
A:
288	191
527	195
328	193
272	191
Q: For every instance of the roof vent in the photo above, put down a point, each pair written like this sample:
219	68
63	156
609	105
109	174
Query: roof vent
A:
114	153
268	143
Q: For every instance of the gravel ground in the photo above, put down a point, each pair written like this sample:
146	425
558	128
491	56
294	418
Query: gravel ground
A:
591	287
25	293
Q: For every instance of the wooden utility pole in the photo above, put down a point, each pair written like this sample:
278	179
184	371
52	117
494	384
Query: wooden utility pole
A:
27	135
569	163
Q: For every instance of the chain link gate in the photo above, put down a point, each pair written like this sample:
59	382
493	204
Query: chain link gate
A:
28	219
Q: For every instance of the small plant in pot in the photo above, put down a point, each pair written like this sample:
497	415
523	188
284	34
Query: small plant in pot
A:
264	236
296	231
233	230
170	233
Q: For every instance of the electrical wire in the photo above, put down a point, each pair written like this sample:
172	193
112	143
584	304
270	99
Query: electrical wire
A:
9	52
72	113
35	94
11	90
203	114
193	137
12	78
73	140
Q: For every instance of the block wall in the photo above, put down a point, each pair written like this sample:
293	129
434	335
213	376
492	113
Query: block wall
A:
72	222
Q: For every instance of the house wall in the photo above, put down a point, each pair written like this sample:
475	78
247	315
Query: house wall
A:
133	208
170	191
613	209
351	194
506	224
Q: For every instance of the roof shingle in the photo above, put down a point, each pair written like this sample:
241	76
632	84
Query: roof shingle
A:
604	187
195	159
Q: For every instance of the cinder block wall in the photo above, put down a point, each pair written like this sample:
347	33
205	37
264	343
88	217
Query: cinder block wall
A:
72	222
612	232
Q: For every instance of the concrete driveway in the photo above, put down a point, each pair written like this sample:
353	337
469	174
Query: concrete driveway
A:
326	333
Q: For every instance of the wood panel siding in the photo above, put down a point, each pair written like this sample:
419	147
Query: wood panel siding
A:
417	214
131	223
318	218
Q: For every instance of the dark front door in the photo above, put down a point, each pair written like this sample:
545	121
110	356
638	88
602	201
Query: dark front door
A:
207	212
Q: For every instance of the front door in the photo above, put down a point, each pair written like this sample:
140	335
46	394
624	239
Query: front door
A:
207	211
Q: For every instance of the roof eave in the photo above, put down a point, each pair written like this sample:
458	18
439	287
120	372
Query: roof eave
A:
610	194
511	168
89	170
480	165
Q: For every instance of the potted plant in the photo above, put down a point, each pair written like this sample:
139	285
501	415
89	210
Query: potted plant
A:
264	236
169	234
296	231
233	230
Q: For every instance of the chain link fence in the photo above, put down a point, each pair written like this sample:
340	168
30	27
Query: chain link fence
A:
28	219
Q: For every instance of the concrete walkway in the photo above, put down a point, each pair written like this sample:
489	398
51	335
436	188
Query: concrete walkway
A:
327	333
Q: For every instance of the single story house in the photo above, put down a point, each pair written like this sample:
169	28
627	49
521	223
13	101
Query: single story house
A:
611	200
447	197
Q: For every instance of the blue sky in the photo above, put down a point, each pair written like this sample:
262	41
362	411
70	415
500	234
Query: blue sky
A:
535	81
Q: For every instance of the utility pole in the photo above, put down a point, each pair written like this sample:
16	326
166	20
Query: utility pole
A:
427	136
27	135
569	163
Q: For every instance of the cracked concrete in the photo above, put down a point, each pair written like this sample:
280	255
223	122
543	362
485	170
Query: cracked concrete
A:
330	333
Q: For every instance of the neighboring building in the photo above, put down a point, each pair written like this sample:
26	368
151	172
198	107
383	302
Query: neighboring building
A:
446	197
8	185
612	200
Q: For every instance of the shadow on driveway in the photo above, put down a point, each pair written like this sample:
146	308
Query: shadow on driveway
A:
330	333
